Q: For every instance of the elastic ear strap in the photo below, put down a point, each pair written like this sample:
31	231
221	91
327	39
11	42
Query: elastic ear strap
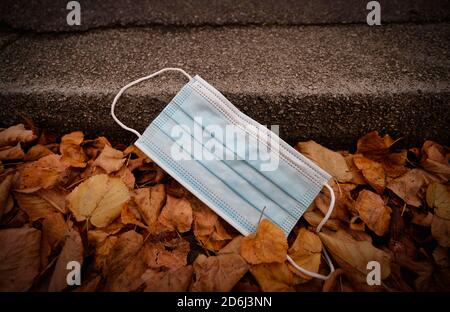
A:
319	227
113	105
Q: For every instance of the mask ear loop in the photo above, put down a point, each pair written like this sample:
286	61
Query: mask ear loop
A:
319	227
113	105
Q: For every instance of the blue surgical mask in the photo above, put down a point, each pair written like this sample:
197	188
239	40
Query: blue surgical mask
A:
239	168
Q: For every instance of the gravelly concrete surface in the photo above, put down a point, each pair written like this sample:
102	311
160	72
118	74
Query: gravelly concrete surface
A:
331	83
50	15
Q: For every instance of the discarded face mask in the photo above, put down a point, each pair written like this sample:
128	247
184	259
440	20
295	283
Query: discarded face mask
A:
244	177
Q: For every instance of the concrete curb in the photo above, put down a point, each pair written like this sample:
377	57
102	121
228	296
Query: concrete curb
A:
50	15
331	84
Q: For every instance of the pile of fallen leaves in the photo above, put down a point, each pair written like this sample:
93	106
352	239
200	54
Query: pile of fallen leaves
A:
134	228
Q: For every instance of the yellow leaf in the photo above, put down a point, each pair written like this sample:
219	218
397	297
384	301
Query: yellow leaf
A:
99	199
268	244
438	197
440	229
434	160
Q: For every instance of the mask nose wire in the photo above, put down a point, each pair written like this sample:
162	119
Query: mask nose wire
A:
319	227
119	94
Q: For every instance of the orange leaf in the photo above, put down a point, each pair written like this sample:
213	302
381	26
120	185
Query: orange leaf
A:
72	251
177	214
16	134
150	201
19	258
11	152
306	251
218	273
46	172
273	276
110	159
411	186
332	162
372	171
373	211
36	152
268	244
71	150
168	281
373	143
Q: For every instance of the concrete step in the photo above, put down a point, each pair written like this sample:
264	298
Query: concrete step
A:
50	15
327	83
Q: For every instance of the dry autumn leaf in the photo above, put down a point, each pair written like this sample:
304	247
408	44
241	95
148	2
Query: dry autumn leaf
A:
130	278
372	210
373	143
306	251
332	162
411	186
71	150
177	214
150	201
5	187
273	276
72	251
110	159
204	219
11	152
353	255
54	230
130	215
34	206
99	199
16	134
169	255
36	152
218	273
19	258
168	281
440	229
438	197
268	244
372	171
435	160
45	172
118	257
